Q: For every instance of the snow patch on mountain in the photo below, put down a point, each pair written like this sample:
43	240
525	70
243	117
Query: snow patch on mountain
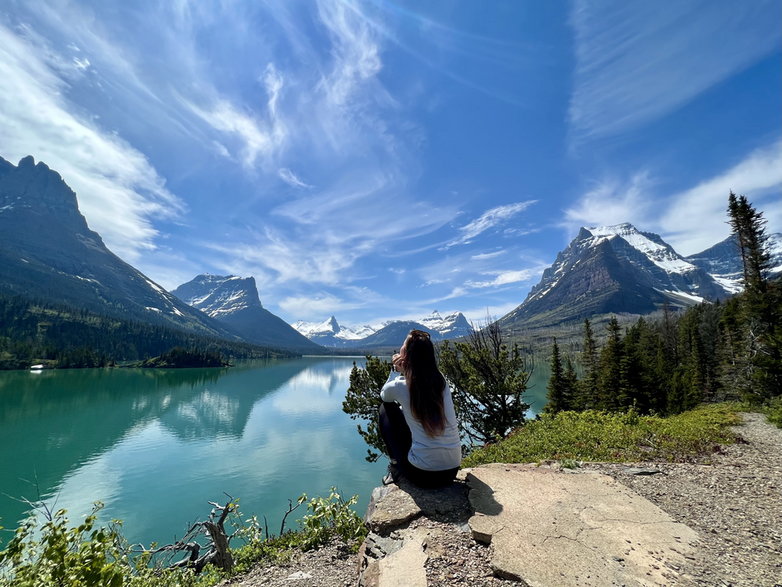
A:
331	333
652	246
330	328
723	261
219	296
451	325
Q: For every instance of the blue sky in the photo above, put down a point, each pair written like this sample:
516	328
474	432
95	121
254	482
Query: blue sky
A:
378	160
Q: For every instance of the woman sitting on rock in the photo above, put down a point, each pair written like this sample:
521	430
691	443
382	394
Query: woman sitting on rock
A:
417	417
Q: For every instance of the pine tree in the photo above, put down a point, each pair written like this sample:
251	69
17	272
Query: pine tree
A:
611	379
589	387
556	384
570	384
761	359
749	228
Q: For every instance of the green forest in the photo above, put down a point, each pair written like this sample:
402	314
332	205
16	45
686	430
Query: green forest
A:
711	352
58	336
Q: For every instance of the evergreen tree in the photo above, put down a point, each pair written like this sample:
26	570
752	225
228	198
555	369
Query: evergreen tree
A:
570	384
588	388
761	359
488	377
749	229
611	380
557	400
362	402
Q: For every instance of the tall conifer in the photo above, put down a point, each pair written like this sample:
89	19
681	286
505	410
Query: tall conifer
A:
588	389
556	384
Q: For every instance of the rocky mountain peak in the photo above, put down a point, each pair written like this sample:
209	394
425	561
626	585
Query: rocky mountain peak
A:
218	295
613	268
41	192
333	324
234	301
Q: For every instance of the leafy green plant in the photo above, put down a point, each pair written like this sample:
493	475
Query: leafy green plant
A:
58	554
81	555
332	516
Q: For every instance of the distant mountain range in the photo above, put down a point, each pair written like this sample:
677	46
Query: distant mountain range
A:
331	334
723	262
48	253
619	269
234	301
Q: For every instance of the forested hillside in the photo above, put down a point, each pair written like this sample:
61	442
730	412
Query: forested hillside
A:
713	351
59	336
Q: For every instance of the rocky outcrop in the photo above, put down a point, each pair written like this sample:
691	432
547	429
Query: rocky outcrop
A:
544	527
394	553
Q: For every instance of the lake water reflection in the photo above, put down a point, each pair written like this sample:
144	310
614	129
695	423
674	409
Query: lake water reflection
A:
154	446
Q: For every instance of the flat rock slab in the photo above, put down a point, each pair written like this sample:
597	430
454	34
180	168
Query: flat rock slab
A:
403	568
549	528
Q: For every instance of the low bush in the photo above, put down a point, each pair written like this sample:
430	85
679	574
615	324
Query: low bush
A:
613	437
773	411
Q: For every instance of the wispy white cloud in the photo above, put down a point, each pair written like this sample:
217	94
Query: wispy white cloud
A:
503	278
258	139
612	201
291	178
277	258
354	48
697	219
690	220
486	256
488	220
636	61
119	191
322	304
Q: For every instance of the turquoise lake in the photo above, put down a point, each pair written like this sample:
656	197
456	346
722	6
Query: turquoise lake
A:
156	445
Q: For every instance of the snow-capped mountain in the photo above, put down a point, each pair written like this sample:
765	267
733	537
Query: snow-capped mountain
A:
453	325
332	334
723	261
613	269
48	252
234	301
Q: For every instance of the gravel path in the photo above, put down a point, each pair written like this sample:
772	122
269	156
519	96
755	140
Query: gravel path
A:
732	498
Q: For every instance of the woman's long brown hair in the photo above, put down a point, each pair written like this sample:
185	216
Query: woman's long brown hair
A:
425	382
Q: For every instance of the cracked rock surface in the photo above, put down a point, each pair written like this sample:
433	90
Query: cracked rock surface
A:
548	527
732	498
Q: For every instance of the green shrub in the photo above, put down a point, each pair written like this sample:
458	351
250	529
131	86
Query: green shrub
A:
773	411
613	437
332	516
80	555
58	555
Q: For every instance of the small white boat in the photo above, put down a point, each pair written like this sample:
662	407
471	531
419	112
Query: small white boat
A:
36	367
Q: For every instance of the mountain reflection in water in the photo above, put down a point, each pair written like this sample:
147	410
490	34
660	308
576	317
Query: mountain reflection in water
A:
156	445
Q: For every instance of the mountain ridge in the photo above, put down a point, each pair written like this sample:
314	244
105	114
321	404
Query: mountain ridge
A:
613	269
72	265
332	334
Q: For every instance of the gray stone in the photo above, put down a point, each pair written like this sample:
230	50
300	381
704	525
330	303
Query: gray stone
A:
402	568
640	471
395	506
547	528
